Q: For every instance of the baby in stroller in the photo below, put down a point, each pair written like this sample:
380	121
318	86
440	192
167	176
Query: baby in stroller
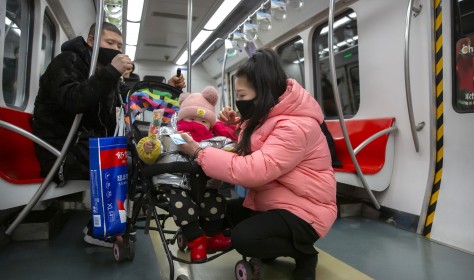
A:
201	223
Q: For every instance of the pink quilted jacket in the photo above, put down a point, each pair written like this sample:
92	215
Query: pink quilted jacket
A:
290	165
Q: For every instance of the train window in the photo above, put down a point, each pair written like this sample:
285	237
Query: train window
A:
15	50
463	57
47	43
346	62
292	59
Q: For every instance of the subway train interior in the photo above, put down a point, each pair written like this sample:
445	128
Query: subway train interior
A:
396	89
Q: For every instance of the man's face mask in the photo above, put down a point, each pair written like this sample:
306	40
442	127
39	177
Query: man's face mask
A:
106	55
246	108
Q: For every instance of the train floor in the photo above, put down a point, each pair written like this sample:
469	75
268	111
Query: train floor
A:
355	248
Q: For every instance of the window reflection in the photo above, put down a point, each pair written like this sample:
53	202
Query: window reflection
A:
47	43
9	81
347	66
292	59
14	52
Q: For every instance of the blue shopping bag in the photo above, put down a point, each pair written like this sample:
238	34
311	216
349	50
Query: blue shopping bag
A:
108	181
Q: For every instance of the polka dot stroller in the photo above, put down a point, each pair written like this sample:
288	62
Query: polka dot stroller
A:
148	184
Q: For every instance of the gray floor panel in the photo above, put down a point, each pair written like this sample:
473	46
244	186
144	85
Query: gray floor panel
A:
355	248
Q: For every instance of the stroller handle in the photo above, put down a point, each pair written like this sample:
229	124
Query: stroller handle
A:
189	167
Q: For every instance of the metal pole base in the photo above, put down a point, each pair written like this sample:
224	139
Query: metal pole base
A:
4	240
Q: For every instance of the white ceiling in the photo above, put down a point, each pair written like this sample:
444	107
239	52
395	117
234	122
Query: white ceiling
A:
163	31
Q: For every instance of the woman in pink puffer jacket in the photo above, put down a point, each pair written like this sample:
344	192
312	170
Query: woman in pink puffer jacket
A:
282	159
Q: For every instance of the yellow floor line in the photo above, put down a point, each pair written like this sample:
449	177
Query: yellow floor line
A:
332	268
222	268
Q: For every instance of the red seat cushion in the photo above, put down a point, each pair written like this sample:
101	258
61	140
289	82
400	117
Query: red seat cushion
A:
372	157
18	162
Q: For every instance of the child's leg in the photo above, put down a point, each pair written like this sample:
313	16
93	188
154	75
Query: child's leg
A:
185	213
211	217
212	212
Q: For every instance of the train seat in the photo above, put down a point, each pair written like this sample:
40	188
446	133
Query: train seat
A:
375	159
19	167
18	163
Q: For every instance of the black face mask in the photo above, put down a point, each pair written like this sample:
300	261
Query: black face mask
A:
246	108
106	55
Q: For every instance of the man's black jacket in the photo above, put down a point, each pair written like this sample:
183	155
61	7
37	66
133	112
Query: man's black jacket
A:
65	90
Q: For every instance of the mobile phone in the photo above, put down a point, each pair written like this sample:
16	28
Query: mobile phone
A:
178	72
177	139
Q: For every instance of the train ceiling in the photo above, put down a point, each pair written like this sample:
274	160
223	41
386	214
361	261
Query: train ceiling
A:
163	34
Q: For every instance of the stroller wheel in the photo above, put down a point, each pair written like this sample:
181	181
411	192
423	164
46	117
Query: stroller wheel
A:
121	252
131	251
243	270
182	277
181	240
257	268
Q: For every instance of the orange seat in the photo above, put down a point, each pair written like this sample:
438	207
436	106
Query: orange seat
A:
372	157
18	162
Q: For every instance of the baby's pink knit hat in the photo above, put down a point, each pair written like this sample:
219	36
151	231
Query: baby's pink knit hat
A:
199	105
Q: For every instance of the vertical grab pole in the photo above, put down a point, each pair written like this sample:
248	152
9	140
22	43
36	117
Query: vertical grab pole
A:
190	30
414	128
223	76
72	131
124	24
339	107
223	64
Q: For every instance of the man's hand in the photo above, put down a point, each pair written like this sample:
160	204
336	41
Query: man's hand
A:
122	63
127	73
176	81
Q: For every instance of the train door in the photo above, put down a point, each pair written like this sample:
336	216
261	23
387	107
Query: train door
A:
449	218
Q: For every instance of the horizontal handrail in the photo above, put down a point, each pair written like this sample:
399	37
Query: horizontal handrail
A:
373	137
30	136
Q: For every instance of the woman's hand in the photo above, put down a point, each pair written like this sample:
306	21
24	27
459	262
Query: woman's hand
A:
228	116
190	147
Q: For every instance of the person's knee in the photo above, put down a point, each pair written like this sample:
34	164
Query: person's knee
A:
238	239
242	240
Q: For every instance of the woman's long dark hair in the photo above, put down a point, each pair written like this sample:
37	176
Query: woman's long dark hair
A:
265	74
